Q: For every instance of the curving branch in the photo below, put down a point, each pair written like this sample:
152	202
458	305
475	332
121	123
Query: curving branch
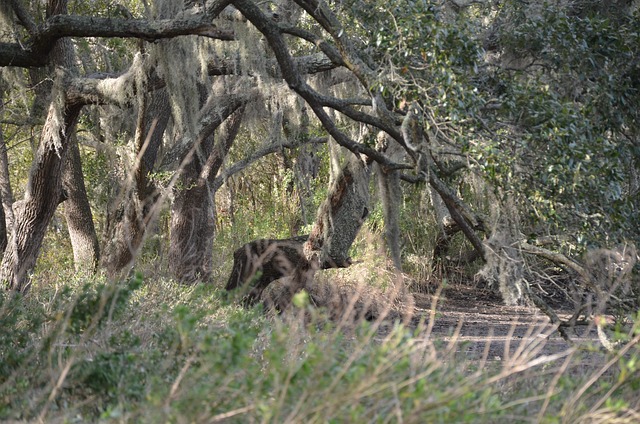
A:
319	10
268	149
316	101
23	15
43	37
327	48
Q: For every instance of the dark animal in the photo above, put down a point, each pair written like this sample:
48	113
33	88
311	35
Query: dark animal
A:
260	262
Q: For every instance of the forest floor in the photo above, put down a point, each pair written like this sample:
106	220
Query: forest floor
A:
477	324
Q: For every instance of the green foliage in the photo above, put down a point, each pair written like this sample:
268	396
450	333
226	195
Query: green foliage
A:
175	353
572	104
541	97
430	55
96	303
548	115
18	324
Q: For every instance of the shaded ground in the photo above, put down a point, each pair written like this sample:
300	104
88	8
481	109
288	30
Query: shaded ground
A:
480	325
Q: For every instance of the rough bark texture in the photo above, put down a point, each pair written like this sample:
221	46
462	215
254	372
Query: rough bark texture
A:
3	230
124	235
6	196
5	185
192	233
34	212
44	188
77	212
44	37
193	221
391	196
340	216
261	262
132	210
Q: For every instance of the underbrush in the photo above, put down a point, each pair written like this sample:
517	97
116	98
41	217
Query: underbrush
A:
156	351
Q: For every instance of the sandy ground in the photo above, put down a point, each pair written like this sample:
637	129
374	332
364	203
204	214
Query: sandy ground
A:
477	324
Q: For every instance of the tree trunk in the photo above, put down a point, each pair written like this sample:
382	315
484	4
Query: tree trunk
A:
124	233
44	190
258	263
6	195
340	216
3	230
77	212
192	233
134	208
391	197
33	213
193	221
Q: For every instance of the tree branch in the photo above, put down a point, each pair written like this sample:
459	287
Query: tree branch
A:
316	101
60	26
221	148
264	151
309	64
326	18
561	259
214	113
23	16
327	48
459	211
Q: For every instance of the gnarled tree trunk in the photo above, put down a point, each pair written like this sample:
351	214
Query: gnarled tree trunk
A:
261	262
340	216
257	264
43	194
134	208
77	212
33	213
193	210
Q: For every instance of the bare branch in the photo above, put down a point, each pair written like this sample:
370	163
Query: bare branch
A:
214	113
327	48
268	149
561	259
310	64
221	148
319	10
23	16
316	101
60	26
459	211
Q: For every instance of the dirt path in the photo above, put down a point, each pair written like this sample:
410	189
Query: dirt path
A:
480	325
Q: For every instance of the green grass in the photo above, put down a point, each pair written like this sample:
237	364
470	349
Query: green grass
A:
155	351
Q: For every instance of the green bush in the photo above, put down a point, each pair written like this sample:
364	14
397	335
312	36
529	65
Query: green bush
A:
162	352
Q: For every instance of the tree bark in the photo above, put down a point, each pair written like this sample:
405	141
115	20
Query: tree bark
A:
44	188
192	233
340	216
6	195
391	197
259	263
77	212
44	37
34	212
134	208
193	222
